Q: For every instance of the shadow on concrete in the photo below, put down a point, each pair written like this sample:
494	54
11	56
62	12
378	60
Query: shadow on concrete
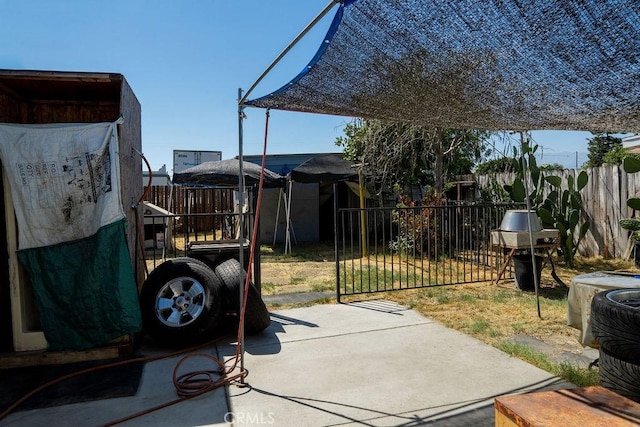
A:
476	412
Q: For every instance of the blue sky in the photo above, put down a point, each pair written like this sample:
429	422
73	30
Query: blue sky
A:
185	61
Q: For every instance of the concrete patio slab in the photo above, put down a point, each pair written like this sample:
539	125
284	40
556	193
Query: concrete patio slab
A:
375	363
371	363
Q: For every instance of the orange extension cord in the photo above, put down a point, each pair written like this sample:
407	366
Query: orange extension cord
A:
195	383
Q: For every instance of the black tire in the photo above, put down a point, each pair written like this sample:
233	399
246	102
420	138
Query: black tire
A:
256	318
180	302
615	322
204	260
619	376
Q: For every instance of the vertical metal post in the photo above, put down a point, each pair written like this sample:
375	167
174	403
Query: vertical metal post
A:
241	226
533	254
275	228
335	238
287	236
363	225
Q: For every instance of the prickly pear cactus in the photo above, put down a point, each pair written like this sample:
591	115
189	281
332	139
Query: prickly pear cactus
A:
560	208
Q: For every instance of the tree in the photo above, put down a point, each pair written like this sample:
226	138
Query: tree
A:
552	167
400	153
616	156
599	146
499	165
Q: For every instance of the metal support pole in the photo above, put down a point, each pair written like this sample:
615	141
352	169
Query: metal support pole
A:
533	254
363	218
287	238
241	225
286	50
335	238
275	228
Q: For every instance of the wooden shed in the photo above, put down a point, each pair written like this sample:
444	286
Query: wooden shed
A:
41	97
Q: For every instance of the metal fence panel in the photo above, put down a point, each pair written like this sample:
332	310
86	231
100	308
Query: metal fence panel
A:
416	247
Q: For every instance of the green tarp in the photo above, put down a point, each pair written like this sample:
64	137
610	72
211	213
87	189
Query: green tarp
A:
84	291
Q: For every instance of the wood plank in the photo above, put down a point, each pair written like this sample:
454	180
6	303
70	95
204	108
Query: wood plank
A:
578	407
618	208
59	75
592	244
64	102
130	142
36	358
11	106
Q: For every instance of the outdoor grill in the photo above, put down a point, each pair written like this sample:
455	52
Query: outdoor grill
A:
513	236
514	231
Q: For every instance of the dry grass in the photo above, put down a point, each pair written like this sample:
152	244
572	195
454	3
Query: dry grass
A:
278	278
489	312
310	268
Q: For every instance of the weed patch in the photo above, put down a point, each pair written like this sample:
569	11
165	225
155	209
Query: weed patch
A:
482	326
582	377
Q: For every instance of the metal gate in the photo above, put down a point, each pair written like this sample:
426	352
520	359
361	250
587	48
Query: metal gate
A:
388	249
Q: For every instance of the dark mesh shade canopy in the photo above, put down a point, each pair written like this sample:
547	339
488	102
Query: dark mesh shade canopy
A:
225	172
482	64
327	168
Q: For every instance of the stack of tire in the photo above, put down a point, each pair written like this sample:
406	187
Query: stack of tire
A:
184	301
615	322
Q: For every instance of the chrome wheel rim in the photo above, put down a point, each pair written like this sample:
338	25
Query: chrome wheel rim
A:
180	302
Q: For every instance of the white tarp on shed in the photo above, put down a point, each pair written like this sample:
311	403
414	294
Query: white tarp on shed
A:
64	180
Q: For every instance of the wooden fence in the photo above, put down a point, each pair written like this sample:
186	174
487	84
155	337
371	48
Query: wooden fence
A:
604	204
196	199
189	200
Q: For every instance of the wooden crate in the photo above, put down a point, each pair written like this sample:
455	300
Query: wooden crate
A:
578	407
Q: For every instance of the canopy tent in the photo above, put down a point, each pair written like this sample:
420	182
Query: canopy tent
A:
514	65
327	168
226	172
